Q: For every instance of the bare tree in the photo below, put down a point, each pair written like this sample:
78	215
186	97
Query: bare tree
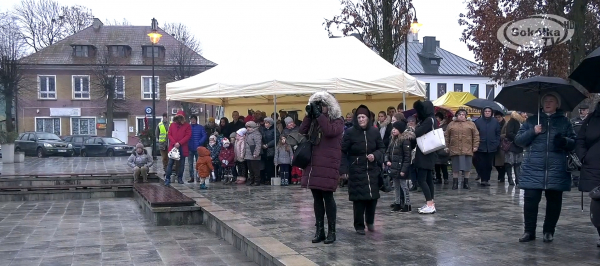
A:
45	22
115	22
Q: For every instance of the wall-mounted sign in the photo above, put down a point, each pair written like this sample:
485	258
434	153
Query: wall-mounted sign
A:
101	126
101	120
130	129
65	111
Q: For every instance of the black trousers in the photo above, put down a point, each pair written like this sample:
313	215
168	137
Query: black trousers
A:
501	172
364	210
425	178
254	171
269	170
441	169
532	199
324	203
483	165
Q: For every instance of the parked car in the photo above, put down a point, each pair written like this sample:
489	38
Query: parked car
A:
103	146
77	142
42	144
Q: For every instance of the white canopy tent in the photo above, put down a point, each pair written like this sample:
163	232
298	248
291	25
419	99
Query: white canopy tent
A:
286	75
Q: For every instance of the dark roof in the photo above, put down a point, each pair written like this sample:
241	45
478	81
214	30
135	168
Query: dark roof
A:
419	61
61	53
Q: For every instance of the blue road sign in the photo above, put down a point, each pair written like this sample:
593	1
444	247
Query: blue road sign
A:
148	110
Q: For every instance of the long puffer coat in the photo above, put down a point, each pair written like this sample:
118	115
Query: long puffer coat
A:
253	138
426	124
461	138
363	177
489	133
544	164
588	151
323	171
398	153
269	139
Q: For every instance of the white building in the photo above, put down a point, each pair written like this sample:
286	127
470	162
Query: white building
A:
443	71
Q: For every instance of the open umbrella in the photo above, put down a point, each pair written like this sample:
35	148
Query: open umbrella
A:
482	103
525	95
586	73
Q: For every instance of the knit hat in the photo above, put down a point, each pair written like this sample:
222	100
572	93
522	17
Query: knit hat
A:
288	120
225	142
251	124
232	135
400	126
211	119
139	145
269	120
181	113
363	111
241	131
461	110
553	94
212	137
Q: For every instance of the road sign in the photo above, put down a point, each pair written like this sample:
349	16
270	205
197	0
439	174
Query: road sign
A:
148	110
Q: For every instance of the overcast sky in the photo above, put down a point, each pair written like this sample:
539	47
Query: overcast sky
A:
227	29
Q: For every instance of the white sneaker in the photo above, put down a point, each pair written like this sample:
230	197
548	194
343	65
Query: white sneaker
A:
424	206
427	210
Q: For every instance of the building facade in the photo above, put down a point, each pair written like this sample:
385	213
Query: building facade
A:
65	83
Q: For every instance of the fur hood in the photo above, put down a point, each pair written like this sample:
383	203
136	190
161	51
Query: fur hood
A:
516	116
408	135
334	109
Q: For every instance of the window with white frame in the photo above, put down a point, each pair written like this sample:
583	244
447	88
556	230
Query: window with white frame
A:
47	87
81	87
49	125
83	126
120	87
147	88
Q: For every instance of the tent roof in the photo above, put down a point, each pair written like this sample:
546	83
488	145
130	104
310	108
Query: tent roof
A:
337	65
454	99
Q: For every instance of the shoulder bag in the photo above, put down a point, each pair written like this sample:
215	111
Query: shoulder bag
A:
433	141
303	152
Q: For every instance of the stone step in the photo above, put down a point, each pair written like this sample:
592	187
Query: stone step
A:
63	180
65	194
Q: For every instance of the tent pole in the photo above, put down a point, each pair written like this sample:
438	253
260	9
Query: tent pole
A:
275	123
403	102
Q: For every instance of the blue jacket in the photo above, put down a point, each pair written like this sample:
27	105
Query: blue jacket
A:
198	137
545	161
489	134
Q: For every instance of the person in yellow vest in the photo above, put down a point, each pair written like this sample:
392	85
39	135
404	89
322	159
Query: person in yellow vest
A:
163	142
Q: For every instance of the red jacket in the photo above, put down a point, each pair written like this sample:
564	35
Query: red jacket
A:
227	154
249	118
180	133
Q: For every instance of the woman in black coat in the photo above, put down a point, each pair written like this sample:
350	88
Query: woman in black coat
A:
587	147
425	163
364	149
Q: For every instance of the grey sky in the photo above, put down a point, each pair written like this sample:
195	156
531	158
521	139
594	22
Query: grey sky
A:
227	29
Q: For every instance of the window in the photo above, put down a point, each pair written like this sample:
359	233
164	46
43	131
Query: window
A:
427	86
49	125
441	89
97	141
475	90
148	51
434	62
458	87
81	87
24	137
140	123
67	139
147	88
83	126
118	51
47	87
120	87
89	141
78	139
489	92
80	51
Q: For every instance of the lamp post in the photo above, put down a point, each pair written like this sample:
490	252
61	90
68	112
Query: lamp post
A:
154	38
415	26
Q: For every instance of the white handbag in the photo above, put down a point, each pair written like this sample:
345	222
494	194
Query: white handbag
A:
174	154
432	141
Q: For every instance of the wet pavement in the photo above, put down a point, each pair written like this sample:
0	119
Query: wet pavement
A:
62	165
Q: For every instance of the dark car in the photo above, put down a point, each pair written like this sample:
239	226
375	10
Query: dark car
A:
77	142
103	146
42	144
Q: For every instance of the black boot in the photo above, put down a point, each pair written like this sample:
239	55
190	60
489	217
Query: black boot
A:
526	237
330	232
397	208
454	183
406	208
320	233
466	183
437	181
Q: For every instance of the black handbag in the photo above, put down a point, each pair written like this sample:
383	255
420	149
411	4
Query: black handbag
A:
302	155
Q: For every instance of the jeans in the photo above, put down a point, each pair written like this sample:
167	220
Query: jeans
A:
425	178
401	191
363	210
532	199
179	169
483	165
192	158
441	169
285	171
324	203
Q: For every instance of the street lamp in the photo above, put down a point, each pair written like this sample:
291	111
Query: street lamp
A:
415	26
154	38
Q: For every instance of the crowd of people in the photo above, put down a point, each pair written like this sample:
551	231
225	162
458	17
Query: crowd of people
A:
379	153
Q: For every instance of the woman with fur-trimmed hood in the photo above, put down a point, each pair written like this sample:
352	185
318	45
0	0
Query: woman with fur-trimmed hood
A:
324	121
179	134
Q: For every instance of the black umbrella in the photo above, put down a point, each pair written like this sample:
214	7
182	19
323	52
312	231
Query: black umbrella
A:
482	103
525	95
587	73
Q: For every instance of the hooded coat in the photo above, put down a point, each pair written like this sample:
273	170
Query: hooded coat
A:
204	164
363	176
427	123
461	138
511	129
323	170
489	133
544	164
588	151
180	132
399	154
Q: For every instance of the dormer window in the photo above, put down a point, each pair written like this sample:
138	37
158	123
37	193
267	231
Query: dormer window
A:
434	62
119	51
149	50
81	50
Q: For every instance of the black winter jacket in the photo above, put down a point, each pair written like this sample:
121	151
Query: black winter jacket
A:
363	177
545	164
588	150
512	128
489	134
399	153
427	123
270	140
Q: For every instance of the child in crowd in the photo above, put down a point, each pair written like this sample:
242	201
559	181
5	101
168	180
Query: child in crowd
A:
397	158
215	150
296	175
284	160
239	150
204	166
227	158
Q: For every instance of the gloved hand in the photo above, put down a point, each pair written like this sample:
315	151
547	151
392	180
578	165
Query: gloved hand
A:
224	162
309	110
560	141
316	109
